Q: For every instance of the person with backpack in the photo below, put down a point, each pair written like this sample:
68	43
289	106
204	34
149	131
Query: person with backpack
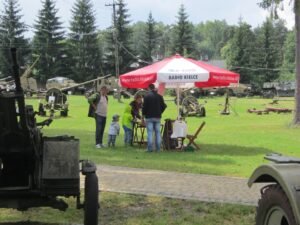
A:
98	110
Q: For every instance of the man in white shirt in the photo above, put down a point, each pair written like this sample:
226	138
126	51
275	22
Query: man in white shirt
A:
100	107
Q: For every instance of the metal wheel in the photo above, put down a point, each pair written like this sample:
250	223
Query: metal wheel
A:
190	106
141	92
274	207
91	199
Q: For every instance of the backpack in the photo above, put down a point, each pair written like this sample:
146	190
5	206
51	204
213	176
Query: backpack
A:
93	99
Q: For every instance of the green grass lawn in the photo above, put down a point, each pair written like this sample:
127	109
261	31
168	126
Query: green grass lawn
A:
124	209
231	145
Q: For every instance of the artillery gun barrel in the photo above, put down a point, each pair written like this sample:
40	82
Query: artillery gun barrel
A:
19	91
86	82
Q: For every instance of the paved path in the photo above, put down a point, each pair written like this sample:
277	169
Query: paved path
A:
177	185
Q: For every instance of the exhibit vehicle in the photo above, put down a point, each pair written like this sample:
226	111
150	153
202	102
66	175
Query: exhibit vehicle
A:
280	199
37	171
279	89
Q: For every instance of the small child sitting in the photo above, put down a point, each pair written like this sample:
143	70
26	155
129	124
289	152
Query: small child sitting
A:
127	125
113	131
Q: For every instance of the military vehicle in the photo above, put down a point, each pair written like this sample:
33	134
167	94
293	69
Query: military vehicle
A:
28	83
56	98
279	89
36	171
189	104
280	199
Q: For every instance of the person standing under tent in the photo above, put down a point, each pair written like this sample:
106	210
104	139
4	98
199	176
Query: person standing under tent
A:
152	110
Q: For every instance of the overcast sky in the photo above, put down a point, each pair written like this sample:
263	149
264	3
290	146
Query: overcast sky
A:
163	10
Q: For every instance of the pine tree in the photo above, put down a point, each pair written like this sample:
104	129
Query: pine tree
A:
48	43
149	40
12	35
288	66
123	34
274	5
239	51
83	42
183	40
268	52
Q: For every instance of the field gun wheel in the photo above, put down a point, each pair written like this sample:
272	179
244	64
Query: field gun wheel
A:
141	92
91	199
274	207
191	107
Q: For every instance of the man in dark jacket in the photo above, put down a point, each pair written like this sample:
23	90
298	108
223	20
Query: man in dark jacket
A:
153	108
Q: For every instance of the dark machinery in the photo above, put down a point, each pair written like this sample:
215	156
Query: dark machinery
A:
190	106
56	100
36	170
280	199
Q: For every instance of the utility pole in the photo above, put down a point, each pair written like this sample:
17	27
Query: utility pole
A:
115	37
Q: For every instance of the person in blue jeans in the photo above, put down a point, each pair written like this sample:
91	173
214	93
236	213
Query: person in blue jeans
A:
152	110
127	125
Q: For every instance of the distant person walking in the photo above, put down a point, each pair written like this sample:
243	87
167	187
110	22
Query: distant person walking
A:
153	108
98	108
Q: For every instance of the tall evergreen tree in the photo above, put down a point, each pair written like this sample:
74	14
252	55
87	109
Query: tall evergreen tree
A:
12	35
84	44
183	40
48	43
238	52
267	52
274	5
288	65
123	33
149	40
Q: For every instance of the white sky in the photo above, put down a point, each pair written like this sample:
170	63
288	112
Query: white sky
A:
163	10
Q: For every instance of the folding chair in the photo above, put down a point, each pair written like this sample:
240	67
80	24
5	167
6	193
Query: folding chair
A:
192	138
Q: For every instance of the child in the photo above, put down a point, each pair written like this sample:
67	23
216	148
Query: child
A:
113	131
127	125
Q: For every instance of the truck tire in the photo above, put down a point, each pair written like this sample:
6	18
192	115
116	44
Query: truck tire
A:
274	207
91	199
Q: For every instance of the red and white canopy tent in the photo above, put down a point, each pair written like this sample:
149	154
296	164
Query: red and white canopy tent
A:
179	72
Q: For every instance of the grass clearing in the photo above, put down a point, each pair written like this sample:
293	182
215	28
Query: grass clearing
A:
230	145
125	209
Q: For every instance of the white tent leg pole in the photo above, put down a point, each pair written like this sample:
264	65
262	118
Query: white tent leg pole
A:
178	116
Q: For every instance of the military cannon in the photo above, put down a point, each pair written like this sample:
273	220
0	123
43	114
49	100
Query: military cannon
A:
280	199
190	105
35	171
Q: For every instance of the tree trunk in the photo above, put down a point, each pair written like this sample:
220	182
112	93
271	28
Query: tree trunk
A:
296	120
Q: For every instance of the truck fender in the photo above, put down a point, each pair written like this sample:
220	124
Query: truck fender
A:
287	176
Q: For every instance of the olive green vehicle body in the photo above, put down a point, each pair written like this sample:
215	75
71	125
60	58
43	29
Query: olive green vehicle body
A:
285	171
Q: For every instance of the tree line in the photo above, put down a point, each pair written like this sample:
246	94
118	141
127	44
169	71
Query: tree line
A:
260	54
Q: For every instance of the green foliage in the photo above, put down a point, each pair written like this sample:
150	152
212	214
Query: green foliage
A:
84	45
149	40
238	52
183	39
211	38
268	52
12	35
288	65
48	43
123	34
